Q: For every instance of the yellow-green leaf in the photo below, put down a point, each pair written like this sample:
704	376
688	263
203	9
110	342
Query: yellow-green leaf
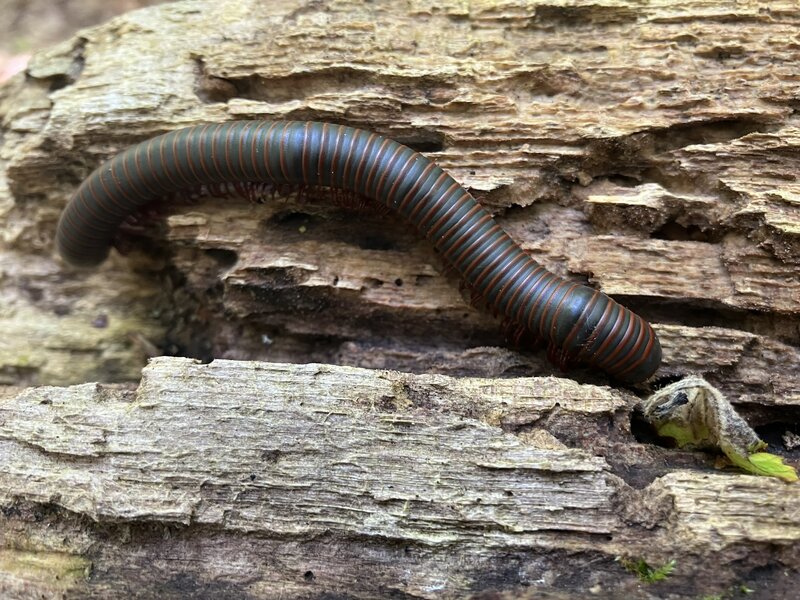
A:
765	463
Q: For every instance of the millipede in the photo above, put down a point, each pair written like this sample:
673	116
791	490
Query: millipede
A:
579	324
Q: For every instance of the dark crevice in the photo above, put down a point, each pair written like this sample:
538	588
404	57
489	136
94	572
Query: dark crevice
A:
623	180
297	86
721	53
674	231
59	81
783	436
292	220
583	17
637	158
424	141
339	80
692	312
210	88
222	257
334	226
707	132
375	241
763	15
662	381
644	432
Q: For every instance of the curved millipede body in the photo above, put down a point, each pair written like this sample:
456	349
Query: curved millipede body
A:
579	324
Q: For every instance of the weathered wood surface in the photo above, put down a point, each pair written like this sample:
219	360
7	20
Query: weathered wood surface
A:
649	148
266	479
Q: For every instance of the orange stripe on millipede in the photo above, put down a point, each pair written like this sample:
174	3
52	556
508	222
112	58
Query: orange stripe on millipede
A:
634	348
175	185
78	227
499	240
455	250
429	197
70	232
500	265
254	152
375	163
104	212
282	140
335	158
186	182
190	160
598	329
323	140
587	310
450	232
490	248
227	154
401	176
457	205
474	241
499	302
69	242
304	153
614	329
556	312
113	197
388	169
541	302
348	157
650	342
214	153
528	313
549	306
242	169
415	187
201	152
267	143
151	169
136	190
160	188
357	183
444	198
362	164
87	224
611	338
511	272
465	237
118	182
347	167
525	291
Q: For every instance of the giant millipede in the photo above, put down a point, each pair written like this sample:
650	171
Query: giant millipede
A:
579	324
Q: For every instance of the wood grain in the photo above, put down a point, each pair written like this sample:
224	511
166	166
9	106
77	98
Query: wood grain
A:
647	148
226	454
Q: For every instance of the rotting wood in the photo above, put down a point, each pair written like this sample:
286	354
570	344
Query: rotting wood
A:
225	453
650	149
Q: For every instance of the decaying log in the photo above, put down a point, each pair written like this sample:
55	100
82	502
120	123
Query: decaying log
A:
650	149
264	478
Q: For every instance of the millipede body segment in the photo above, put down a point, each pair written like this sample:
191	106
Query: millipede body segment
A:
578	323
